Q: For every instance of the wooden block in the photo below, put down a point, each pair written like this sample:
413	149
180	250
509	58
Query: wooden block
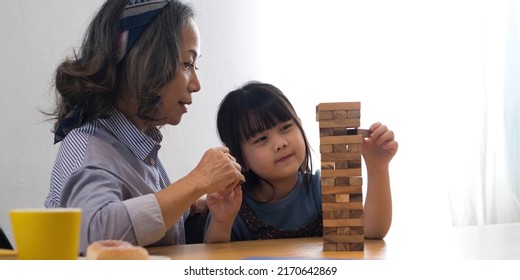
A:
346	139
328	198
340	156
354	123
341	164
326	132
341	182
341	214
342	206
357	246
335	189
329	247
363	132
342	230
353	114
347	164
353	148
343	223
340	172
338	131
349	131
353	164
342	198
328	182
347	238
331	106
329	231
355	214
357	230
324	115
326	149
339	114
343	247
329	214
327	165
339	148
355	181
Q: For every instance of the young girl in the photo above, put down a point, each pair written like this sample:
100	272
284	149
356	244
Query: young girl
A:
282	194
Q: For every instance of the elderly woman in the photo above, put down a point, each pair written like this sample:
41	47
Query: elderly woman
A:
135	72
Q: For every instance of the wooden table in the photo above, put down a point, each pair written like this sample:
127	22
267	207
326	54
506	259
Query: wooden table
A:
273	248
501	241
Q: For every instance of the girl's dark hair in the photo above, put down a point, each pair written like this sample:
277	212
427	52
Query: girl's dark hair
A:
90	80
251	109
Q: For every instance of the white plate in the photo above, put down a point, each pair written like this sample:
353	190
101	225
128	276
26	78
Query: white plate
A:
152	257
157	257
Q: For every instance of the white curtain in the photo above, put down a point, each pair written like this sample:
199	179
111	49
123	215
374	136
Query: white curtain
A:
443	74
491	192
512	100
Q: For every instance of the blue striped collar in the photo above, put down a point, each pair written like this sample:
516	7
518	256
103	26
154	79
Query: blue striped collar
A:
143	145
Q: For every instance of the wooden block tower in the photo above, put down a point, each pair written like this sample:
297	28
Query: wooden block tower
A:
341	181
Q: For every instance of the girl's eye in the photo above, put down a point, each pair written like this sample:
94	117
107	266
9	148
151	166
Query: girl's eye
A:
287	126
259	140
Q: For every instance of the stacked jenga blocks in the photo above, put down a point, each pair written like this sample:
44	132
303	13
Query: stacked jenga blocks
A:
341	181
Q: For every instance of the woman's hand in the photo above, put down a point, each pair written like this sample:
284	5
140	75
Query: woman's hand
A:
379	148
217	172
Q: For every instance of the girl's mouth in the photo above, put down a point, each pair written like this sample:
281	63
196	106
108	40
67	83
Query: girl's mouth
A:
284	158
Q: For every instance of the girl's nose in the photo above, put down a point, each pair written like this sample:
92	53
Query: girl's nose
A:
281	144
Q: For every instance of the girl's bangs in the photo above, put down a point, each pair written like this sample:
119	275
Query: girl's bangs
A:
261	116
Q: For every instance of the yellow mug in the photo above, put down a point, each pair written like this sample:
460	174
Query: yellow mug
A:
46	233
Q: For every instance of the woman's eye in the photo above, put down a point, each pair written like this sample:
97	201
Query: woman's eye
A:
189	66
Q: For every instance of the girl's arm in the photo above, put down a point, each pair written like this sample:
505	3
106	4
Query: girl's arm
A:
378	150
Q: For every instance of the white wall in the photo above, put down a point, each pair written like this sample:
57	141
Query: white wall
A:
406	61
36	35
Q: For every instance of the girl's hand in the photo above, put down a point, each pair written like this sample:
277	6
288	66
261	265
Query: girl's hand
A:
225	206
380	147
198	206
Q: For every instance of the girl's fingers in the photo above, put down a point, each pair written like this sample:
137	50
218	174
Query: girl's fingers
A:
388	136
393	145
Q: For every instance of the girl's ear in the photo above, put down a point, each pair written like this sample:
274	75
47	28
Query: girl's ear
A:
243	167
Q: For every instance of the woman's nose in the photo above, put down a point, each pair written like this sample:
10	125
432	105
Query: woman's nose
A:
194	85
